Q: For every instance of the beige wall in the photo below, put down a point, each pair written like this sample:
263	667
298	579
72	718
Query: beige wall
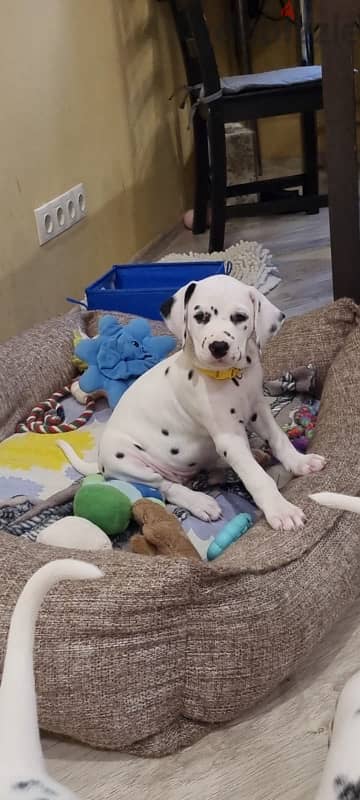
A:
83	91
84	87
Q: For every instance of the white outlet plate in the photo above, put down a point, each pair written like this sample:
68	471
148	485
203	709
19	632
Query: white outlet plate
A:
61	213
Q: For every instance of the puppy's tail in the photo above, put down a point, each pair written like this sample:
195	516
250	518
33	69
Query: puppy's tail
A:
344	502
84	467
19	733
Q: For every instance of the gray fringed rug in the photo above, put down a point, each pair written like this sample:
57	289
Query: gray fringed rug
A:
250	262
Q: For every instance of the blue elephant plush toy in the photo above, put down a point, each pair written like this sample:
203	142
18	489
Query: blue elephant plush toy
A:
118	355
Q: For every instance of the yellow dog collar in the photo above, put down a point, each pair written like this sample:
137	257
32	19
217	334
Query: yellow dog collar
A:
222	374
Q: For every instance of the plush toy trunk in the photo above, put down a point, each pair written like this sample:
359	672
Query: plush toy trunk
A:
140	289
161	651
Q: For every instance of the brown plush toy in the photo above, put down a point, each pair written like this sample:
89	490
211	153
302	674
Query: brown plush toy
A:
162	534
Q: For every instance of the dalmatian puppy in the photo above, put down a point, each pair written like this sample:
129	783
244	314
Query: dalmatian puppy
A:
340	779
192	410
23	774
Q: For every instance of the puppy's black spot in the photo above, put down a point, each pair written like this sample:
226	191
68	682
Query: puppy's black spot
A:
33	784
189	293
253	418
229	334
232	410
238	317
248	359
346	789
241	422
103	469
259	305
190	374
165	432
225	453
196	307
174	451
166	306
184	336
167	370
245	327
216	312
281	316
193	464
273	328
120	455
267	443
235	380
202	317
138	446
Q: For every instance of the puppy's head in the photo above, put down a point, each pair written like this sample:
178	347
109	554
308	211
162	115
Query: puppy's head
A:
215	318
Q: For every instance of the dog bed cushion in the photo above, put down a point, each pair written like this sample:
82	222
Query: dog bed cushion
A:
153	656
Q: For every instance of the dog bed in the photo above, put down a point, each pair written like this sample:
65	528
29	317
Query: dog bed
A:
160	651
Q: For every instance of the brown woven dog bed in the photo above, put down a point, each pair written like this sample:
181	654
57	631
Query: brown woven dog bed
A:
160	651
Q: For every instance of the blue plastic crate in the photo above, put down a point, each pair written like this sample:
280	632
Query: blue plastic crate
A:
140	289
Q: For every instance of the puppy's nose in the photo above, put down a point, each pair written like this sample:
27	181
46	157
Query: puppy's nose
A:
218	349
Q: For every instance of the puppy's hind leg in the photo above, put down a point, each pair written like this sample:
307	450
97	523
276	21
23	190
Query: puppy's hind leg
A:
199	504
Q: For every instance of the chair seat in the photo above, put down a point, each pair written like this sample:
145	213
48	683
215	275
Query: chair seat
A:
273	79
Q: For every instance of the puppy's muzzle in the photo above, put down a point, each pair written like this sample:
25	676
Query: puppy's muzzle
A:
218	349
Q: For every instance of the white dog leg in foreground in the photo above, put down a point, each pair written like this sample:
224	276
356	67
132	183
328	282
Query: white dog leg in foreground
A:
22	767
341	776
343	502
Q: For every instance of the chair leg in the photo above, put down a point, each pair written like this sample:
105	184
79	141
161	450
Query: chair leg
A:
217	147
201	175
310	159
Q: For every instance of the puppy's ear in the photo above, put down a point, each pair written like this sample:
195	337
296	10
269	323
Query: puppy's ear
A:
267	318
174	311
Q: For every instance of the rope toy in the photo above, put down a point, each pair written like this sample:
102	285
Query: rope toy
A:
49	416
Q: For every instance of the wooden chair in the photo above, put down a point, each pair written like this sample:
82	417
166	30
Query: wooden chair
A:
337	41
216	101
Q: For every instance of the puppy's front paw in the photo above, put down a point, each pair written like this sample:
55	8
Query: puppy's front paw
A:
305	464
204	507
282	515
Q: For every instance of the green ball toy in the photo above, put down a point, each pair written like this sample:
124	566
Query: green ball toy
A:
103	505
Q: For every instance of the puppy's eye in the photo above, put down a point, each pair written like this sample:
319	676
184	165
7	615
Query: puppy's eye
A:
136	344
199	316
238	317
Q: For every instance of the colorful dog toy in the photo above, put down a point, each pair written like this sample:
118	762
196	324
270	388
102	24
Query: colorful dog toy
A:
49	416
102	504
108	503
301	430
119	355
229	534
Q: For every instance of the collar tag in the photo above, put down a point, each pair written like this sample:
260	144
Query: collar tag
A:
222	374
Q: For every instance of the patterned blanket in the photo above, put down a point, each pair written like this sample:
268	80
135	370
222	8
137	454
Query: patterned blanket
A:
37	484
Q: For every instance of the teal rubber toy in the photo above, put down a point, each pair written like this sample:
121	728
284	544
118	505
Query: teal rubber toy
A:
229	534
